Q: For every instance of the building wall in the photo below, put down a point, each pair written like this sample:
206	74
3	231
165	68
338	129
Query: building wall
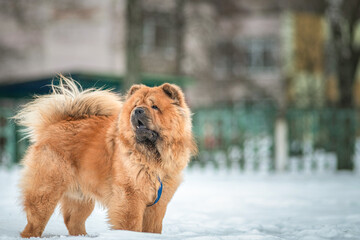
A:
45	37
206	29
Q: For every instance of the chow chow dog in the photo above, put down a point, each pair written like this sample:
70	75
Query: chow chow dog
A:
91	145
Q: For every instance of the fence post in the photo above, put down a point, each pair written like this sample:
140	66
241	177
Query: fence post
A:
281	144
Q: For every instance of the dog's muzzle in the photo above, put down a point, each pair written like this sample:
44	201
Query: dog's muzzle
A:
140	122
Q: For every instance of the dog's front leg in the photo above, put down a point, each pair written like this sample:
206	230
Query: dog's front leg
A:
126	210
153	215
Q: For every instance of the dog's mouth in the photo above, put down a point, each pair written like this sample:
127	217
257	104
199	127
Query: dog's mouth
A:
140	125
143	133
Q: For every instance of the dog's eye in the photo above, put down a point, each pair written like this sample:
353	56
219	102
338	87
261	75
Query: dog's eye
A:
154	107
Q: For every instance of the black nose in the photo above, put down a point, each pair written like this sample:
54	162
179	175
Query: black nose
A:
139	111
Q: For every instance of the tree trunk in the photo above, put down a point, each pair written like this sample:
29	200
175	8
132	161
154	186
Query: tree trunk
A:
346	79
133	43
179	24
347	137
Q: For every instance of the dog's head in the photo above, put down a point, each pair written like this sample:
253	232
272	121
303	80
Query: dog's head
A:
153	116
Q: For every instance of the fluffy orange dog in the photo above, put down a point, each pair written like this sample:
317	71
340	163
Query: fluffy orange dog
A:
89	145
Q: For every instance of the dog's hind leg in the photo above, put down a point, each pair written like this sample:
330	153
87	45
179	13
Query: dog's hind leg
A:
44	181
75	212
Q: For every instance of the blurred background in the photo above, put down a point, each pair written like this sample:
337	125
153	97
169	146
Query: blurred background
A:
274	85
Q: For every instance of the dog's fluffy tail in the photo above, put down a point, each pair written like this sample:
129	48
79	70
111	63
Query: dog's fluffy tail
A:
67	101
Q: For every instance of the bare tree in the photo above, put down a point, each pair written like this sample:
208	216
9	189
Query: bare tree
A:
342	60
343	17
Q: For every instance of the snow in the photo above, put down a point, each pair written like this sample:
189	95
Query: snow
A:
224	205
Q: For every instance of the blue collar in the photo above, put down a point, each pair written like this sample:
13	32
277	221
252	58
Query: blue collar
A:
159	192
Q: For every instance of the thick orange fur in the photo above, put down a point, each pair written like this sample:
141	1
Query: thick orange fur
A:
84	149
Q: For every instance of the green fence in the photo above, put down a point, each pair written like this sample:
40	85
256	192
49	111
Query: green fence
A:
242	138
12	148
239	138
7	138
323	140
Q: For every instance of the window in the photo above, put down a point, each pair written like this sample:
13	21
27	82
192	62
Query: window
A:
250	56
258	55
158	34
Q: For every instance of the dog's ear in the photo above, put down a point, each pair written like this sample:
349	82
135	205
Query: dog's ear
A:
174	92
133	89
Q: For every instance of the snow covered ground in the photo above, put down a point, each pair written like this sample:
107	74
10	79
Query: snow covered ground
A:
223	205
